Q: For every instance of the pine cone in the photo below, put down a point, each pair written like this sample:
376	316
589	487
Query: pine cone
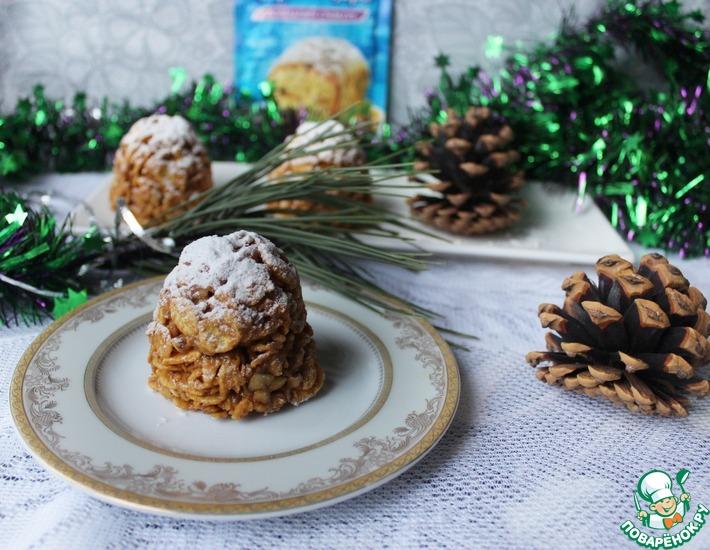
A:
476	186
636	338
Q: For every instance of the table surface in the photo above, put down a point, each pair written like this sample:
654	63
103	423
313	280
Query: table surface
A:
522	466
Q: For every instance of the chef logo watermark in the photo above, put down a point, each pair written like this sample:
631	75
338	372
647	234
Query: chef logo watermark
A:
663	504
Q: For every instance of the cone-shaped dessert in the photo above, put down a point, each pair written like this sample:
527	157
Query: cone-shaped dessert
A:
325	145
229	335
159	166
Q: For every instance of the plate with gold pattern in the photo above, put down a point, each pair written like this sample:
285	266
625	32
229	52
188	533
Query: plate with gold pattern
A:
81	403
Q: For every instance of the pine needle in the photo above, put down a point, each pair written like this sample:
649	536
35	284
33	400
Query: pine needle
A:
326	244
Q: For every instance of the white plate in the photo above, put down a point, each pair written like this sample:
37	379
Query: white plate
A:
551	229
80	401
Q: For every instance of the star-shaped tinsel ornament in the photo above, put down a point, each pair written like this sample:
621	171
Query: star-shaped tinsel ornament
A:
8	163
442	60
64	304
18	216
494	46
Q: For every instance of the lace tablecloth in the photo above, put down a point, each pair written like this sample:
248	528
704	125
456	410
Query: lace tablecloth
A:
522	466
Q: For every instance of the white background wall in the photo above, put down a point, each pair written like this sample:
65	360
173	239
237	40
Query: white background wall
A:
123	48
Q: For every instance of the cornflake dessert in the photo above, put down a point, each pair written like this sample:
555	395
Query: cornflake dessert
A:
323	74
325	145
160	164
229	335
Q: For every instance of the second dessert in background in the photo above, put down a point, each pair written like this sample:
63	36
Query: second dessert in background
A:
330	145
160	165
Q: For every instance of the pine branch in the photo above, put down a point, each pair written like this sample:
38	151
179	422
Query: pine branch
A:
324	244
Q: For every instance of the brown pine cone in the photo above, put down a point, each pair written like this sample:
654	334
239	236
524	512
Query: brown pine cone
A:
476	184
636	338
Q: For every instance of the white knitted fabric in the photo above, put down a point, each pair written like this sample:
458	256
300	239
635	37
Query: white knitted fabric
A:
523	465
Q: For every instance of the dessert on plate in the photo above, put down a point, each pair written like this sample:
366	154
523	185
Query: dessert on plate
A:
321	73
159	166
229	335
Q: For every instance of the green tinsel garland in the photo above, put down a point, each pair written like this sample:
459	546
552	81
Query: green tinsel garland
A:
44	135
40	263
580	119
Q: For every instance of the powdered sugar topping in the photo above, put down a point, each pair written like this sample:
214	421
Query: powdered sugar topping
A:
238	272
168	146
164	139
329	142
160	129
